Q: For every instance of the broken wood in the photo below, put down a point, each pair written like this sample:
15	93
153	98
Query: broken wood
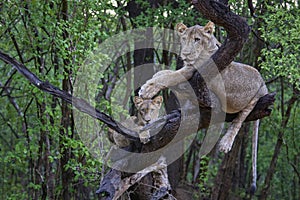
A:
113	187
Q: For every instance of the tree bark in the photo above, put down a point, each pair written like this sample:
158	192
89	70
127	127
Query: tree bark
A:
236	27
231	169
67	119
141	55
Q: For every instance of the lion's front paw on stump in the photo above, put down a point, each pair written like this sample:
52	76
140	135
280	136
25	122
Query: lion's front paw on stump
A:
149	89
225	144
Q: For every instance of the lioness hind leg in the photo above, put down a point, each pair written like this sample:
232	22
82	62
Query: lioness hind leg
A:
228	139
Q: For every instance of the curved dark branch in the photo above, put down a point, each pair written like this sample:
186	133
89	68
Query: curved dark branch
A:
235	26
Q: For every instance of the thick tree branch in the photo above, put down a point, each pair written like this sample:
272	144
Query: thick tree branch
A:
235	26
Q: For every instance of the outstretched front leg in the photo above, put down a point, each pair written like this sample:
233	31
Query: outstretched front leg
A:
164	79
155	84
226	142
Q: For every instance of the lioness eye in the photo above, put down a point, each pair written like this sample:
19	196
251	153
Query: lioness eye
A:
197	39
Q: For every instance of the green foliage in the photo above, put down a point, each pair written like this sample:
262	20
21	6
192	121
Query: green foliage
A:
166	14
52	48
280	57
284	180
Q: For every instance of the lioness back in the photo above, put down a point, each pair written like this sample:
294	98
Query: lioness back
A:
242	83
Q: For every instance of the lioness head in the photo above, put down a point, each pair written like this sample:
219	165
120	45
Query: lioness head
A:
197	42
148	109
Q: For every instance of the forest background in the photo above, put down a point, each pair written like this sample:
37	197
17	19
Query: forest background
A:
42	156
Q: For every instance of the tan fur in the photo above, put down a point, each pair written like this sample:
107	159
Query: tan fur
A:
148	111
243	83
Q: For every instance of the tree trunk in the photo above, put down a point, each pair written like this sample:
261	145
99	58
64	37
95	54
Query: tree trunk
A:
66	121
141	55
232	169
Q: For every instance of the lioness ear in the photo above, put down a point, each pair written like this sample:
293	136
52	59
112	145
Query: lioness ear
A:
158	101
137	101
209	28
180	27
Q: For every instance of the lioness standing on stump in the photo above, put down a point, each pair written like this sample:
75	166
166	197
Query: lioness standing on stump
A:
243	83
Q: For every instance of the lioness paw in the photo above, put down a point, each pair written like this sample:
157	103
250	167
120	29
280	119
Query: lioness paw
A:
225	144
149	89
